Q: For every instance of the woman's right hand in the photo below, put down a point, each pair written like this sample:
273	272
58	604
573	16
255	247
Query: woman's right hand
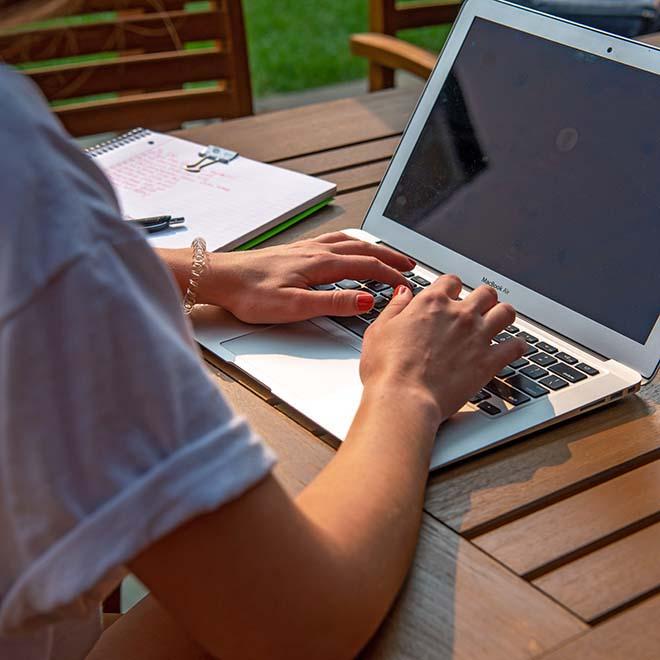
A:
437	347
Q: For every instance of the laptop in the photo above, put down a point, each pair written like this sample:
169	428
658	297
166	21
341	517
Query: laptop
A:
530	164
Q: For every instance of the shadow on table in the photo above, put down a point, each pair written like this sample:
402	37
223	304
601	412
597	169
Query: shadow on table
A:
457	601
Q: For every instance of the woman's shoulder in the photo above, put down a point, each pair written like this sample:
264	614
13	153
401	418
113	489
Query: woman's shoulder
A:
57	205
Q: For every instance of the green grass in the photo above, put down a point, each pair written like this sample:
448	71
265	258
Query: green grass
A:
293	44
298	44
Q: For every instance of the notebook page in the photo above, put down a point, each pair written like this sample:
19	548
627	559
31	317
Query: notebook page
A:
225	204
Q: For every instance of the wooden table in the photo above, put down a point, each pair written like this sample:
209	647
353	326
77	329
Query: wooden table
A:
549	547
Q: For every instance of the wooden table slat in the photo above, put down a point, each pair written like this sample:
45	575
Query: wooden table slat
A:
311	129
358	178
545	467
325	163
458	603
574	525
633	635
600	583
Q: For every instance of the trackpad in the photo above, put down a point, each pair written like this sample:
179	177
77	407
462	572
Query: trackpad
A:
307	367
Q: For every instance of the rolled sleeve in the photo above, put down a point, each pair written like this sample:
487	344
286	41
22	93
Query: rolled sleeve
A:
115	435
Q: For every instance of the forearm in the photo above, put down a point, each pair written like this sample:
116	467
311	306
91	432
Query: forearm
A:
264	576
369	503
179	262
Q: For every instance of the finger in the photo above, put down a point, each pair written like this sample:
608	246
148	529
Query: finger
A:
400	300
450	285
341	267
385	254
502	354
481	299
338	302
497	318
332	237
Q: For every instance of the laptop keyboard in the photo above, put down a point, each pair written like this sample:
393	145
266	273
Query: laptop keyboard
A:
543	369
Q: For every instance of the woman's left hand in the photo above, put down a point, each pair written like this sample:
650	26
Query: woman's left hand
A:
272	285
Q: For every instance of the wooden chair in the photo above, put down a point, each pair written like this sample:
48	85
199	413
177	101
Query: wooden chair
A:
382	48
139	70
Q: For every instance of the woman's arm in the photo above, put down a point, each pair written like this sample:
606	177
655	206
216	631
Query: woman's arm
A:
272	285
267	576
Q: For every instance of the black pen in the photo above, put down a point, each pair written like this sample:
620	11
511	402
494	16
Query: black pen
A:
157	222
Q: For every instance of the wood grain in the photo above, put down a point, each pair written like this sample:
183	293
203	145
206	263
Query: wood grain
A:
458	603
606	580
575	525
545	467
313	128
333	160
392	53
168	70
633	635
127	112
144	32
358	178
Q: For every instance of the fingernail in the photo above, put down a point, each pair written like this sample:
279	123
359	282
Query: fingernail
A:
412	262
400	289
364	302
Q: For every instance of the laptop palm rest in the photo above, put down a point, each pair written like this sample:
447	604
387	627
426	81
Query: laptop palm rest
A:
307	367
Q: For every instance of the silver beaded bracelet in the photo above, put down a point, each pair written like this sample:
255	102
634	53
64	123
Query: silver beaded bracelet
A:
198	267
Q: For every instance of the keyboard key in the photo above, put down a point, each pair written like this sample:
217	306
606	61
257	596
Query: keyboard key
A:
503	336
507	371
348	284
506	392
527	386
417	289
481	395
530	339
324	287
418	279
530	350
380	302
553	382
587	369
543	359
353	323
534	371
489	408
570	374
408	273
512	329
565	357
548	348
387	293
376	287
520	362
370	316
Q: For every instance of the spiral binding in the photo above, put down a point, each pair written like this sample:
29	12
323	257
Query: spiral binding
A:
117	142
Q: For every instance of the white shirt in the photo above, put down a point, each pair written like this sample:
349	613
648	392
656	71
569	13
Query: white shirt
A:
111	432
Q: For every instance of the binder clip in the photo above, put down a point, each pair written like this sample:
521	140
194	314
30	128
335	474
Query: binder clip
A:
212	155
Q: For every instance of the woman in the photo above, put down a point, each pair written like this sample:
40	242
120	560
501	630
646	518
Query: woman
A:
117	452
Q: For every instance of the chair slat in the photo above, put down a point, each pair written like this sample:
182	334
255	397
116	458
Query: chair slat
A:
421	15
132	72
149	33
156	110
77	7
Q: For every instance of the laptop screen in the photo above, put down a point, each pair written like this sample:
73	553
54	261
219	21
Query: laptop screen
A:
542	163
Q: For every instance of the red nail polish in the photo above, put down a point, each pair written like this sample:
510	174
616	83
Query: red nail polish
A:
400	289
365	302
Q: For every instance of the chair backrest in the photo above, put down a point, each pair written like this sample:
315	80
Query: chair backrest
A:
126	63
390	16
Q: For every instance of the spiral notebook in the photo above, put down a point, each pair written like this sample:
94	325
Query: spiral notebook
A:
235	204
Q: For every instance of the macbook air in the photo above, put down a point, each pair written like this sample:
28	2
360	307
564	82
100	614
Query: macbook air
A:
529	164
